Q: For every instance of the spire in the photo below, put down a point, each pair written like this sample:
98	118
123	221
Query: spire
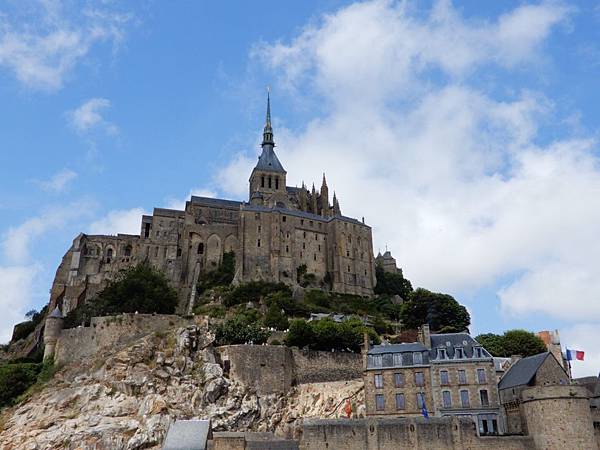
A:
324	180
268	130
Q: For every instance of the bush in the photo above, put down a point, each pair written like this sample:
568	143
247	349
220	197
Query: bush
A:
142	289
15	379
253	292
275	318
222	276
512	342
240	330
284	301
326	334
215	311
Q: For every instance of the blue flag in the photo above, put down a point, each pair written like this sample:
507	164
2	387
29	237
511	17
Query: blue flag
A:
424	410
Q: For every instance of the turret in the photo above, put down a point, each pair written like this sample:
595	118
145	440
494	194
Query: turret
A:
324	198
313	200
336	206
52	330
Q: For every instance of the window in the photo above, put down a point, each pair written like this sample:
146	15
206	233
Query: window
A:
156	252
376	360
477	352
378	380
178	252
269	182
319	247
304	246
419	379
398	379
315	257
201	248
262	181
316	237
483	396
259	228
258	243
284	218
481	376
304	234
347	254
444	377
276	182
464	398
459	353
447	399
109	254
417	358
400	403
441	353
420	400
462	377
287	248
379	402
146	230
301	221
397	359
311	223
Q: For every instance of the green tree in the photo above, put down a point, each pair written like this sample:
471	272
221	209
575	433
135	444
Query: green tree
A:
142	289
512	342
300	334
392	283
275	318
325	334
240	330
440	311
221	276
16	379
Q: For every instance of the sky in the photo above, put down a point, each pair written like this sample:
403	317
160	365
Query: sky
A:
466	133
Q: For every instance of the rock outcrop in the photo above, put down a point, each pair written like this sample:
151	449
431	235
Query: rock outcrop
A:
126	400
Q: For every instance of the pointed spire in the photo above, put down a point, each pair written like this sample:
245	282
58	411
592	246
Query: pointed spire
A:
324	180
268	130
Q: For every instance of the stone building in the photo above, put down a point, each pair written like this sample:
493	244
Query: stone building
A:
451	374
279	232
538	370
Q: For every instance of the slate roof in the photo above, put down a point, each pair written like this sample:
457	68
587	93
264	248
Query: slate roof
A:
216	202
168	212
56	313
187	435
389	353
397	348
268	160
523	371
456	340
303	214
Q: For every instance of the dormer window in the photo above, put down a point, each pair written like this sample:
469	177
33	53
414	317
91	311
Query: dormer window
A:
417	358
441	353
397	359
459	353
477	352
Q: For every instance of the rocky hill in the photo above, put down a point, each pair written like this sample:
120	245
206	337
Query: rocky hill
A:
126	399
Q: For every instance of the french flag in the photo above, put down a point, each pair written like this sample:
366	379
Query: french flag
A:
575	354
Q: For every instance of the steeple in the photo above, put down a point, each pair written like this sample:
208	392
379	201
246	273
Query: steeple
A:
268	130
324	203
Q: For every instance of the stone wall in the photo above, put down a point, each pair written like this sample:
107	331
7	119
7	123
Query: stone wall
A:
316	367
558	417
403	433
111	331
266	368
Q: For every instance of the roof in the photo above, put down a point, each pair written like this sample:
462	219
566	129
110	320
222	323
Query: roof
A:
384	356
523	371
455	340
303	214
168	212
56	314
216	202
397	348
268	161
187	435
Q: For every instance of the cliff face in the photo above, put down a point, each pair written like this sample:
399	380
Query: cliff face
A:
126	400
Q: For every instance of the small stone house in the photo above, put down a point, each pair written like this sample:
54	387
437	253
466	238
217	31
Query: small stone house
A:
537	370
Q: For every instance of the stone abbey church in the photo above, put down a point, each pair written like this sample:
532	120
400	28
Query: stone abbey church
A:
278	230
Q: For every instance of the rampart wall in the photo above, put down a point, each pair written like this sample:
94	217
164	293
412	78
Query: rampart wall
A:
111	331
403	433
318	367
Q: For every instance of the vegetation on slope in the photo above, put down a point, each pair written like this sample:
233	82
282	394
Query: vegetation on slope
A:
512	342
17	378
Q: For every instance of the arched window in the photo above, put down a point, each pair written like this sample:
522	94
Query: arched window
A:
128	250
262	181
201	248
109	254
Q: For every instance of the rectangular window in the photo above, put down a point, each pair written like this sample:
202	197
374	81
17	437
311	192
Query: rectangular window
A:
462	377
441	353
444	380
420	400
259	228
459	353
464	398
399	379
379	403
287	249
400	403
419	379
311	223
376	360
284	218
276	182
447	399
481	376
397	359
258	243
417	358
378	380
483	396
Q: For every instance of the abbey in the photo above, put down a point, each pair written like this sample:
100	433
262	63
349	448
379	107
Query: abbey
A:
280	234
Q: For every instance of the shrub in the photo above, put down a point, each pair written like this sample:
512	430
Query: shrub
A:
222	276
326	334
216	311
239	330
392	283
284	301
253	292
15	379
275	318
512	342
142	289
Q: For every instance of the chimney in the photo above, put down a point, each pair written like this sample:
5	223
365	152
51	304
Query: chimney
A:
425	335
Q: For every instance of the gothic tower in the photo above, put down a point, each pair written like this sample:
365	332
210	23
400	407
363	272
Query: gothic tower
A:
268	178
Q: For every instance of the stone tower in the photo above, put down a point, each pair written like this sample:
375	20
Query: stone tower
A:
324	198
268	178
52	329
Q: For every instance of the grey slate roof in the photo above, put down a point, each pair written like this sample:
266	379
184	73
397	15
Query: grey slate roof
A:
303	214
397	348
216	202
523	371
460	340
268	160
56	313
187	435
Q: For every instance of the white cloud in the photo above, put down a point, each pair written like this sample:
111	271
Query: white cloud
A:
453	178
89	116
59	181
583	337
42	43
125	221
15	286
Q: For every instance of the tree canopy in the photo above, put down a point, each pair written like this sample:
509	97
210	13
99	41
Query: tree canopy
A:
392	283
142	289
325	334
441	311
512	342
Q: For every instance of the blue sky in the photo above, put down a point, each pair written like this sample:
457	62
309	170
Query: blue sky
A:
465	133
